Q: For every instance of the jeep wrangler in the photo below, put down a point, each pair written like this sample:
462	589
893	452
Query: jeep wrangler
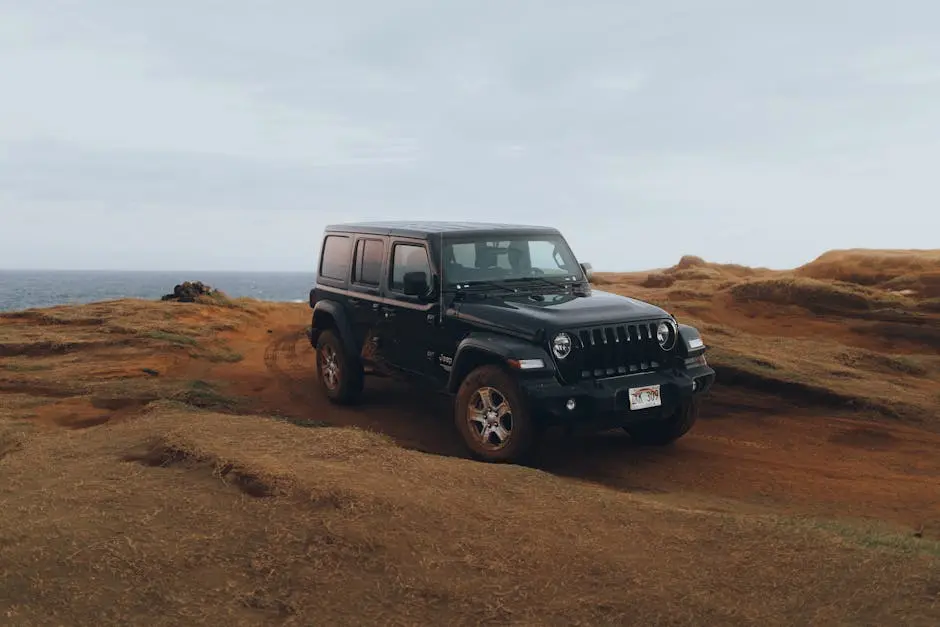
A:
504	319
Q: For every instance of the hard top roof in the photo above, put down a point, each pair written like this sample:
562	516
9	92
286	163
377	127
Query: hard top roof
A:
422	229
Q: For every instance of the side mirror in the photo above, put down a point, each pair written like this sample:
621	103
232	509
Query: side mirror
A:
588	270
416	284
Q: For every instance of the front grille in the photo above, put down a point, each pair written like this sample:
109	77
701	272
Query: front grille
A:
620	349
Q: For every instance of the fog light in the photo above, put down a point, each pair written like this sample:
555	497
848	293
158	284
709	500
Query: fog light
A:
571	404
694	385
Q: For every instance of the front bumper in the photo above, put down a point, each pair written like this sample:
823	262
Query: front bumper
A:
606	401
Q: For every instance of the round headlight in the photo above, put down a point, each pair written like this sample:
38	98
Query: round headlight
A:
561	345
666	335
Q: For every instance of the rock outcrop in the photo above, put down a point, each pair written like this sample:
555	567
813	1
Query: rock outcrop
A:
191	291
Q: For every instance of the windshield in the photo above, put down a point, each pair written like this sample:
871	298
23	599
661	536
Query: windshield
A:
503	258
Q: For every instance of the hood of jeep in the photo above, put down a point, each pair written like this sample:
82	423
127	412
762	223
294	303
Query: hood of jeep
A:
527	313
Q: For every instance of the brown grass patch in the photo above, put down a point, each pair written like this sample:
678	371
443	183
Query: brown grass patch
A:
767	376
659	279
871	267
141	391
171	338
50	348
818	372
926	335
53	316
924	284
11	441
868	438
196	517
692	269
816	296
698	274
931	305
24	366
253	481
913	365
219	355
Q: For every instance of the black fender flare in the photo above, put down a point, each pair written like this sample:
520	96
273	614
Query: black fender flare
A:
690	341
340	321
484	347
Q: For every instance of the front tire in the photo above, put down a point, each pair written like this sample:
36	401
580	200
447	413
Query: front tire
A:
493	417
665	432
340	379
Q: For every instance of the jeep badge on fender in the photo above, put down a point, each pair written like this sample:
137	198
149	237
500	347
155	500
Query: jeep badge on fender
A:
521	339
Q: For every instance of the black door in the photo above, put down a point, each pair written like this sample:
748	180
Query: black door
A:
365	291
411	333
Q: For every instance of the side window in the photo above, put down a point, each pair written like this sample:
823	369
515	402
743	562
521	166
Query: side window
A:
334	258
407	258
367	268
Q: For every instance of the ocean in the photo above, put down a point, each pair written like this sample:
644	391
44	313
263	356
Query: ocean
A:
24	289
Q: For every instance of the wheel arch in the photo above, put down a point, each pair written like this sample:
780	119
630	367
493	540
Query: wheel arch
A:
330	315
480	349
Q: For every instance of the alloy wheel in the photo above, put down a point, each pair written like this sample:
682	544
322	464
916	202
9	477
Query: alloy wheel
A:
489	416
329	367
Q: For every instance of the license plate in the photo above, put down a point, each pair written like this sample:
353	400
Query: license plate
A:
642	398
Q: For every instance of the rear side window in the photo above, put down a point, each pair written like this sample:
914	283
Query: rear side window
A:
408	258
334	260
367	269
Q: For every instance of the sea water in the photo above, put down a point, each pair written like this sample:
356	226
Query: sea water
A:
24	289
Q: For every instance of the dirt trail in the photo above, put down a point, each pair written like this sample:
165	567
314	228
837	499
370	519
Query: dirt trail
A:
748	447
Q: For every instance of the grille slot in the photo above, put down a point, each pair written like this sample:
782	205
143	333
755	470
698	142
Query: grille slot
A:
619	349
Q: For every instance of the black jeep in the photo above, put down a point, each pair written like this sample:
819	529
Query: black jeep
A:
504	318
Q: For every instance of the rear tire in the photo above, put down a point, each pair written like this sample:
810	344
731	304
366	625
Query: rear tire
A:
493	416
665	432
340	378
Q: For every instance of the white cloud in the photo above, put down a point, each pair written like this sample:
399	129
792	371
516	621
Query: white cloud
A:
909	63
621	82
95	97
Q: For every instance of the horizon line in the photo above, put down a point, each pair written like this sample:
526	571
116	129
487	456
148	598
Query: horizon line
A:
164	271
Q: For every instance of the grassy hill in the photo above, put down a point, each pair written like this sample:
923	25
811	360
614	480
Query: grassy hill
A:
173	463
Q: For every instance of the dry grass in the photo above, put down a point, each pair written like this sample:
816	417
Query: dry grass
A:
823	297
826	340
860	381
171	497
692	269
184	516
659	279
222	354
105	361
925	284
874	267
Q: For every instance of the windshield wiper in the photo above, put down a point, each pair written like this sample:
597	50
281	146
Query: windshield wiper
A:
467	286
542	280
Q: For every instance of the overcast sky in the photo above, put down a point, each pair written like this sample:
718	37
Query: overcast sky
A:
225	135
